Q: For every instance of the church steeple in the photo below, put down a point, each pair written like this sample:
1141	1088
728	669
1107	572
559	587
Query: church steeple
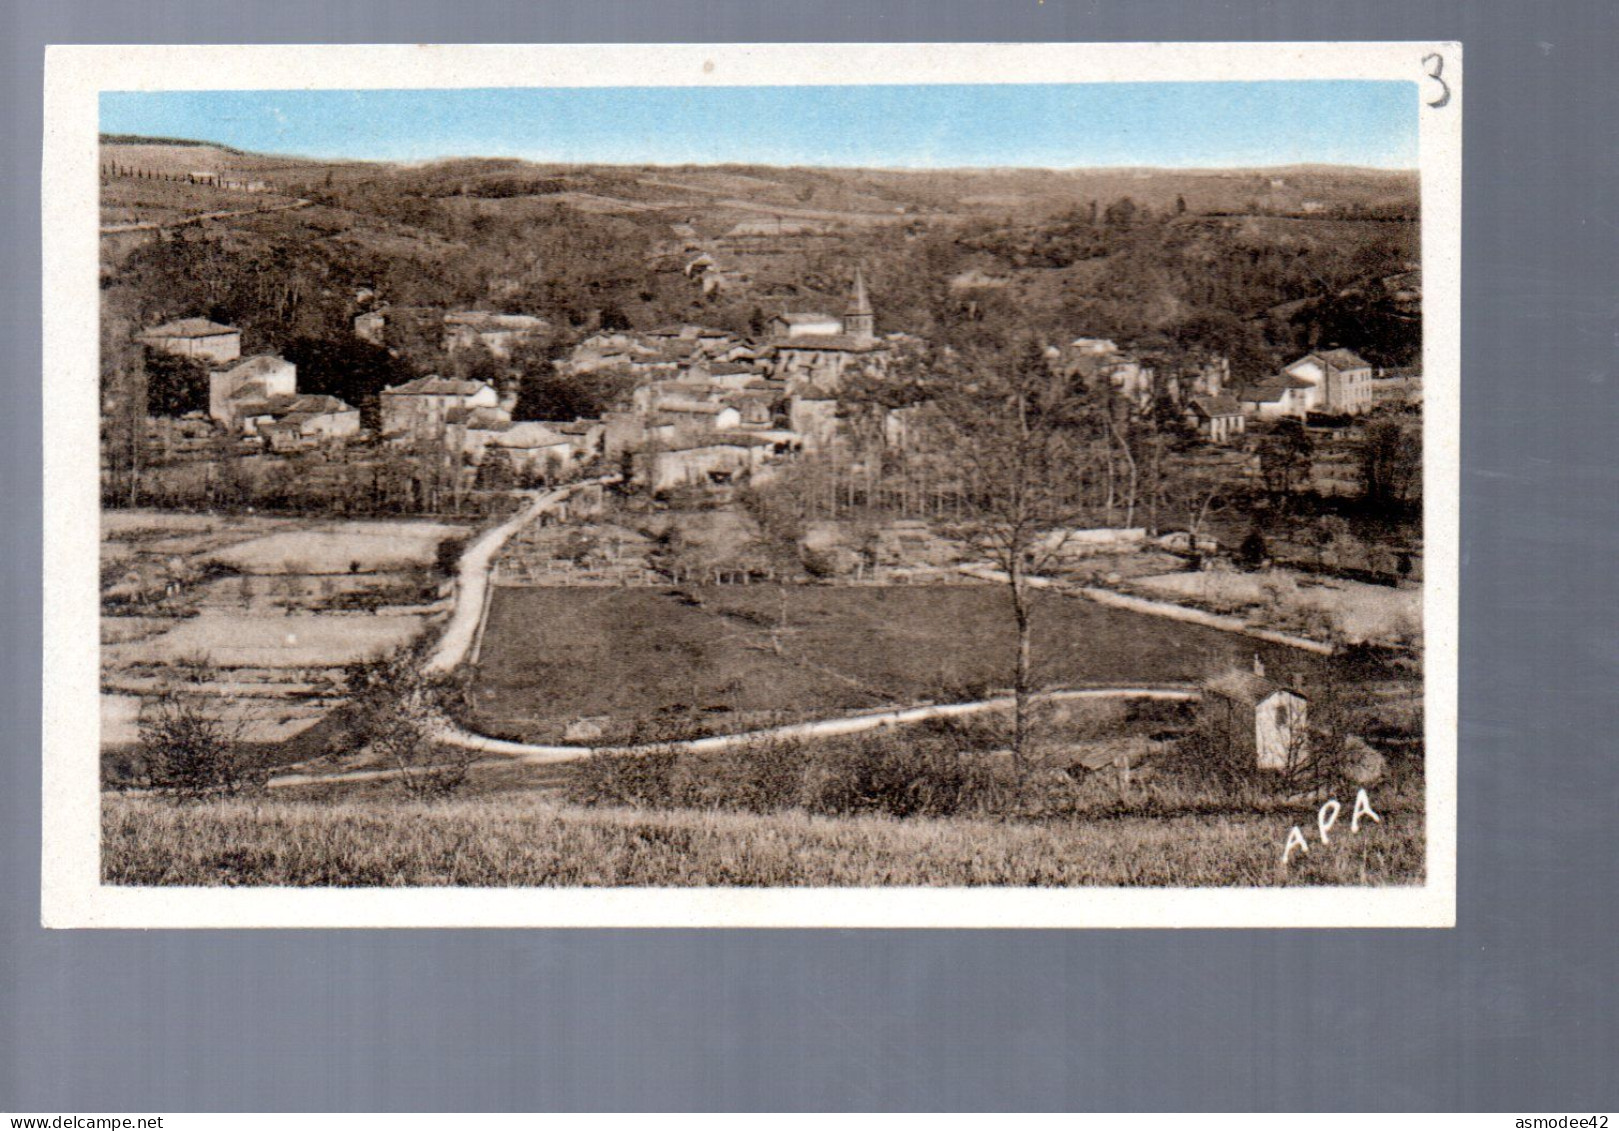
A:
859	321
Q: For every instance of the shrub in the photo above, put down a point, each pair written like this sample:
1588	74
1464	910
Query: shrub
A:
641	781
917	775
189	752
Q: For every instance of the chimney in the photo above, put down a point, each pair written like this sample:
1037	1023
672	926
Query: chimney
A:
1259	666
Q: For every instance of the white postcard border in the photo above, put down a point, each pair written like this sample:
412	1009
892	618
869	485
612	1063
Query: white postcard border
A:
71	892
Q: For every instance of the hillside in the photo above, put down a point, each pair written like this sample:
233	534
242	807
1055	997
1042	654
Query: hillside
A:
1129	253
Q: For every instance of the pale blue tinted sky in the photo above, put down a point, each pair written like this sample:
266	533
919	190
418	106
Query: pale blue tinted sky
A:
1056	126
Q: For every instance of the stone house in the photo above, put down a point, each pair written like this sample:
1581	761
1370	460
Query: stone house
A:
719	460
1341	380
251	381
1262	720
1276	397
196	338
499	333
1217	419
288	420
422	407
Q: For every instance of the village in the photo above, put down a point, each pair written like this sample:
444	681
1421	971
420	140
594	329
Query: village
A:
707	406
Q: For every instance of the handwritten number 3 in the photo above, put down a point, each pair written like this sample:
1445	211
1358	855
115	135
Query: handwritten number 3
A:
1435	65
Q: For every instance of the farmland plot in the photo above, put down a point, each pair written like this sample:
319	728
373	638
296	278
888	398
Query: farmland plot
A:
338	547
731	652
235	640
271	607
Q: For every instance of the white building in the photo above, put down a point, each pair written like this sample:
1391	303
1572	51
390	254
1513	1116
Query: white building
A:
1342	381
1260	718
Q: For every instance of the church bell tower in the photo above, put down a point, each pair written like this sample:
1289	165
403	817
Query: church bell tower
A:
859	321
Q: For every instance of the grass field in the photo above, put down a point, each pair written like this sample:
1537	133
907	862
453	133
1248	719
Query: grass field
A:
269	641
520	840
550	654
335	547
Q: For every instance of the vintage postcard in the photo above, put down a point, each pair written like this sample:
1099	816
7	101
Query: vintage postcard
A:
849	485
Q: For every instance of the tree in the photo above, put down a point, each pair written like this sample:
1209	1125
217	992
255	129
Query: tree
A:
189	752
349	368
175	385
1014	425
1253	552
1286	453
400	714
123	410
1390	459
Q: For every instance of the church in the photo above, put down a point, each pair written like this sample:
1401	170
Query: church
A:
815	351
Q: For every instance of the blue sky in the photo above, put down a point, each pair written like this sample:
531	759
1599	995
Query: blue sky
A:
1169	124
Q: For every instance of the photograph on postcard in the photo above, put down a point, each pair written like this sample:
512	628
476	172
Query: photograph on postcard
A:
1030	474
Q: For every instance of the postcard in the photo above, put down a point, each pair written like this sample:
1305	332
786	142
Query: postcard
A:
928	485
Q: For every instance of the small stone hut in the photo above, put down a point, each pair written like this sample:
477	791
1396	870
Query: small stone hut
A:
1259	717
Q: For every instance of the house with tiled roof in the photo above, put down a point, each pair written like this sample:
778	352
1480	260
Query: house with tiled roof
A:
708	461
422	407
199	338
1342	380
496	332
251	380
305	419
1277	396
707	416
1218	419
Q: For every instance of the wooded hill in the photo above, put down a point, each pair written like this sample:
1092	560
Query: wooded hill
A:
1194	259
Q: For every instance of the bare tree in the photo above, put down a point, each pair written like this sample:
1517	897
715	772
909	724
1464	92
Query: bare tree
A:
1015	425
400	713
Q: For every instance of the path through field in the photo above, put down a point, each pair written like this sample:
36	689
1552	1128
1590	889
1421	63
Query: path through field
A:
472	578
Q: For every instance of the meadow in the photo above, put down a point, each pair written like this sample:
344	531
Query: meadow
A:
524	840
729	652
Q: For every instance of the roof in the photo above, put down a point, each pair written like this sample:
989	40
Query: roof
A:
258	363
729	368
1246	687
717	440
476	416
702	408
844	343
308	405
188	328
1272	388
529	434
799	318
1217	406
435	386
492	320
1341	359
320	403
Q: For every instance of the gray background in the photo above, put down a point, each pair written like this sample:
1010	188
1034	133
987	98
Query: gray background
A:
1514	1010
